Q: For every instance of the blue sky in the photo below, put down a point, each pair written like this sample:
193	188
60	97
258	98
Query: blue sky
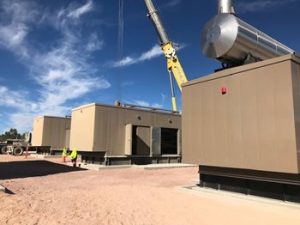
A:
56	55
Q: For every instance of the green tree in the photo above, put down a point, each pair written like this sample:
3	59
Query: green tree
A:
11	134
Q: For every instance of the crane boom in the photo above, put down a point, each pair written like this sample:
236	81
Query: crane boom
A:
155	18
173	63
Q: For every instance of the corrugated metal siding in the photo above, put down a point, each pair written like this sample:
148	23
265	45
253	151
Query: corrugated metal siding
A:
251	127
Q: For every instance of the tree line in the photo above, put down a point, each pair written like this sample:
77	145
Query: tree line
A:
11	134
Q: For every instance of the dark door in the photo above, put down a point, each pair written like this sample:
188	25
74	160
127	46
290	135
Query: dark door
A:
169	141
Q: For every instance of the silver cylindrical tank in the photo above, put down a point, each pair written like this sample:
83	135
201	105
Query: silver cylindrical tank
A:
231	40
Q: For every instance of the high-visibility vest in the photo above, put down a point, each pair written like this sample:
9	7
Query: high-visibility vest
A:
64	152
73	154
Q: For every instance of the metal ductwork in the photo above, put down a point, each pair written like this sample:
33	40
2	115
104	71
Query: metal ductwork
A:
234	42
226	6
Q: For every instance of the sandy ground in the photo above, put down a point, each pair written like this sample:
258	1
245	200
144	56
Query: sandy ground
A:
56	194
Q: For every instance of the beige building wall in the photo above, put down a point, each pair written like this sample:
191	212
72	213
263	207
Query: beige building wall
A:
82	133
102	128
51	131
252	126
37	131
296	95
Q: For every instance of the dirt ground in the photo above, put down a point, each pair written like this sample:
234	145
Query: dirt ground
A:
44	192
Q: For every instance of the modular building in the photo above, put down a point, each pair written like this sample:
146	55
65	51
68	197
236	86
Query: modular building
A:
51	131
244	122
126	134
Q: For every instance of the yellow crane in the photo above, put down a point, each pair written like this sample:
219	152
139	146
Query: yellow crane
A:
173	63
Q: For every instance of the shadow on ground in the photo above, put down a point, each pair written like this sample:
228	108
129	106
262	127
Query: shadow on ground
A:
9	192
36	168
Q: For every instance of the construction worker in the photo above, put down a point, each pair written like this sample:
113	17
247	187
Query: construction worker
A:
74	156
64	154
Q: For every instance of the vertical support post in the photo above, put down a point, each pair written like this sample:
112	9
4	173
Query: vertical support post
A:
155	141
128	139
26	152
174	104
179	142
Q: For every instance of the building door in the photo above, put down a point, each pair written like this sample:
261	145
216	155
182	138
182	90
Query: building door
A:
169	141
141	140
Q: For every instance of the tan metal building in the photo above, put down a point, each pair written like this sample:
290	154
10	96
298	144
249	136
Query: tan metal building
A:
51	131
244	118
126	134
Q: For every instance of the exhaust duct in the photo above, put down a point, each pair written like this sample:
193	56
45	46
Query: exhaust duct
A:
226	6
234	42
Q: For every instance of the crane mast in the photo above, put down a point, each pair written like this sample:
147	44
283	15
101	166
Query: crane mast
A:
173	64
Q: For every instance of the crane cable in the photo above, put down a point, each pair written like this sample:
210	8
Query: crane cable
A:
120	47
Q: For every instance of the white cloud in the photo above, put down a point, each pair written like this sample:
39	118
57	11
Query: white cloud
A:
67	17
125	62
261	5
141	103
94	43
78	12
144	103
62	73
157	105
19	11
147	104
12	98
154	52
14	23
13	34
173	3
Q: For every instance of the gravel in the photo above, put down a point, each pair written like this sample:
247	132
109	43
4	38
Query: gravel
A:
133	196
